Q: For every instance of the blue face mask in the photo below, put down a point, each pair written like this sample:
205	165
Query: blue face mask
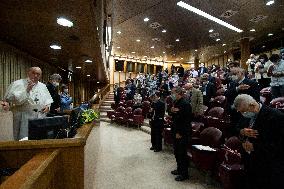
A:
249	114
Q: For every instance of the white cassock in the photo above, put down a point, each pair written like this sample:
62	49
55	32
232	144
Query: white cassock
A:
26	105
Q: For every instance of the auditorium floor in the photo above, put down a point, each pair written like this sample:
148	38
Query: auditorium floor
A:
119	158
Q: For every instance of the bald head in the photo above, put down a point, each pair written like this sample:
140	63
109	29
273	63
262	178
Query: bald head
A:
34	74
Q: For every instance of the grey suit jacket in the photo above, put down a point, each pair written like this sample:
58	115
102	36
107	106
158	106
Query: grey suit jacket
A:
197	101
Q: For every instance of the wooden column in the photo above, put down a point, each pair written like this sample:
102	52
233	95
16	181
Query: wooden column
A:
245	51
155	69
196	63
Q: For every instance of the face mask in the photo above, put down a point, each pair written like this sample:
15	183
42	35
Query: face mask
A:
65	90
56	84
173	96
249	114
234	77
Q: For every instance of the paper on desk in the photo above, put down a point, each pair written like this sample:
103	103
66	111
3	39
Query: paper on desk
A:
205	148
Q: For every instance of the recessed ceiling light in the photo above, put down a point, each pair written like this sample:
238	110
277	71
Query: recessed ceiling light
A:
263	46
225	51
64	22
78	67
195	50
133	52
55	47
224	44
138	40
177	40
164	31
119	32
208	16
269	2
164	52
152	47
252	30
146	19
118	47
218	39
88	75
211	30
88	61
181	58
202	54
270	34
98	82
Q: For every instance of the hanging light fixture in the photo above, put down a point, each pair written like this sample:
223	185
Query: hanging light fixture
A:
269	2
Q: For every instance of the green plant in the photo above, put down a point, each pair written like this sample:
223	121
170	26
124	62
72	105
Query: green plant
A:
89	115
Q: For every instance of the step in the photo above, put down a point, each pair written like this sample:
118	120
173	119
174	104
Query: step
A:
105	107
145	129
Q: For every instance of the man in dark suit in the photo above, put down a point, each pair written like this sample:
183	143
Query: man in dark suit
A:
262	134
157	122
208	89
239	85
53	88
182	116
180	71
202	70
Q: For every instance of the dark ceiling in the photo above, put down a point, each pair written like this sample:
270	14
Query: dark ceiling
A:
31	26
190	28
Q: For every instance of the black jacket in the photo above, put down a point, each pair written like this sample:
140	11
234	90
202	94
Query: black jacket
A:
55	96
158	110
202	71
266	163
182	118
210	90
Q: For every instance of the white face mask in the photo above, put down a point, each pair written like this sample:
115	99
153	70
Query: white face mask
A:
234	78
56	84
65	91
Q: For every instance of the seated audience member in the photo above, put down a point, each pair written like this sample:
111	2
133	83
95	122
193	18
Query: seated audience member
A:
53	88
208	89
30	98
195	98
276	71
66	100
262	134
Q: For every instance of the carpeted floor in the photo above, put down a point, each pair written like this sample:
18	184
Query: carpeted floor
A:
119	158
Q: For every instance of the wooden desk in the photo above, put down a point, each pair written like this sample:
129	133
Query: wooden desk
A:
47	162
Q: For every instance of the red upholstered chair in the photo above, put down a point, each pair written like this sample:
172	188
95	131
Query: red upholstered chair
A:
122	103
167	135
138	118
127	114
146	106
110	113
220	92
118	113
129	103
205	159
231	171
114	106
266	96
219	101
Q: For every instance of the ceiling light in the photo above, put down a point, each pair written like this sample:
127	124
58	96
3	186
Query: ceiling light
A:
224	44
55	47
88	75
119	32
225	51
211	30
195	50
252	30
218	39
88	61
133	52
146	19
263	46
270	34
177	40
164	31
269	2
138	40
98	82
152	47
164	52
118	47
208	16
64	22
78	67
181	58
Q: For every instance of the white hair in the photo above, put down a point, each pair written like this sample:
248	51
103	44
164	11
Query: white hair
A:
243	100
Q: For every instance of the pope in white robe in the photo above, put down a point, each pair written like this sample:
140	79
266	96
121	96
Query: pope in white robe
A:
30	99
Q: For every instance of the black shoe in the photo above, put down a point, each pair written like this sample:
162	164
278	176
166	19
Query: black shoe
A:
181	178
175	172
156	150
152	148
